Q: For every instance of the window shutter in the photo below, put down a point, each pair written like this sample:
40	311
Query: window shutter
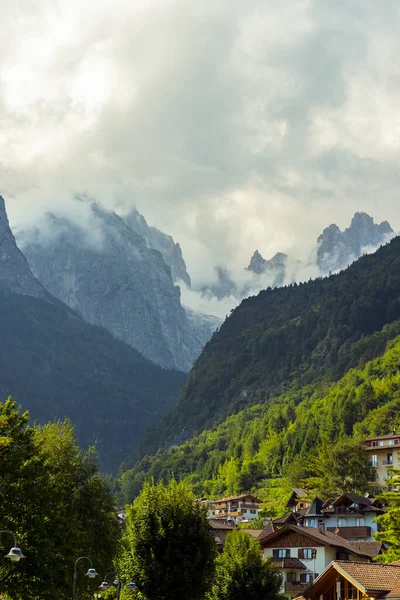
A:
275	553
301	553
287	554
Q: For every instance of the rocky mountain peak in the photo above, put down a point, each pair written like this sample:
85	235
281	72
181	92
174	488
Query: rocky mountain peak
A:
163	243
14	270
337	249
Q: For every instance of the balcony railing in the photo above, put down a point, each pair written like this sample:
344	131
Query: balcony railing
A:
362	531
295	587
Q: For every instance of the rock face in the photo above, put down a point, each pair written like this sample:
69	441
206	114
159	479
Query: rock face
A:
157	240
14	270
337	249
276	267
117	281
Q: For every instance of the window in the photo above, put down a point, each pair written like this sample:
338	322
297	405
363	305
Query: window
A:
252	511
281	553
310	522
381	443
291	577
389	458
360	522
351	592
307	553
374	460
306	577
390	442
341	522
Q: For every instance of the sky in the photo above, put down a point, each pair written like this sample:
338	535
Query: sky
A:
232	125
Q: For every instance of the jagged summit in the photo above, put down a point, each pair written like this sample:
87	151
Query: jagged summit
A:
157	240
337	249
110	273
14	270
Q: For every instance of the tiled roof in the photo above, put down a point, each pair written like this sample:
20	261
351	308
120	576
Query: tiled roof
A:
255	533
220	524
374	577
324	539
236	498
370	548
354	498
268	529
288	563
395	592
285	519
383	437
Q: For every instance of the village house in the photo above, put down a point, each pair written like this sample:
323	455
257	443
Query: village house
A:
238	508
350	516
301	553
383	452
343	580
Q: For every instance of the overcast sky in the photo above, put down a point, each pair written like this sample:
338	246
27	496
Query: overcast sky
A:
232	125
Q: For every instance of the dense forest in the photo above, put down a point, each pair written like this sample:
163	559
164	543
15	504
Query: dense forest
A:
251	449
58	366
290	370
284	339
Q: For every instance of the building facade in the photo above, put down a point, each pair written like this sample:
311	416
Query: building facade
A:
302	553
383	453
240	509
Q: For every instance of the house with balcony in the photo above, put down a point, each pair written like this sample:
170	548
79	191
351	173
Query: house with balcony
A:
353	517
302	553
356	581
237	508
349	516
383	453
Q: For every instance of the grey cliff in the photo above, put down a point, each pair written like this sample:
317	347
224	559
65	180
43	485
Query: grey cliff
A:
114	279
14	269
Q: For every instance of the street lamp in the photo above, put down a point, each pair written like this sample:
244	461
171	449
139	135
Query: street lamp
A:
91	573
105	585
15	553
131	586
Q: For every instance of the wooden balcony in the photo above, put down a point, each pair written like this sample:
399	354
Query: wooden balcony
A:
295	587
351	532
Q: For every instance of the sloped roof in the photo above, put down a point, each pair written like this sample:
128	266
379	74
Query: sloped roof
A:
315	509
288	563
370	548
353	498
255	533
236	498
285	519
373	577
268	529
220	524
324	539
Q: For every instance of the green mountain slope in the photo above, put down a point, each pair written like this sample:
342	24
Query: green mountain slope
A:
263	441
56	365
287	338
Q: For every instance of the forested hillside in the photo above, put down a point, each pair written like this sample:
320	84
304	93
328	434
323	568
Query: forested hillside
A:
57	365
285	339
283	437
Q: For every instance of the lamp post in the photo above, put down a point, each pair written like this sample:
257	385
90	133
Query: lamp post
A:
105	585
15	553
91	573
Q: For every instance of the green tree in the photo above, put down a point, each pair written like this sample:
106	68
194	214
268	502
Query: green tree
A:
389	522
168	548
241	572
53	499
342	467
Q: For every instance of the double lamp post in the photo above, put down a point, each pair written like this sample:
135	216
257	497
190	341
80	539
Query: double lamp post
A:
92	573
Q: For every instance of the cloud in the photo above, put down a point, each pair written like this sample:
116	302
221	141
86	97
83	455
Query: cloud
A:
231	125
